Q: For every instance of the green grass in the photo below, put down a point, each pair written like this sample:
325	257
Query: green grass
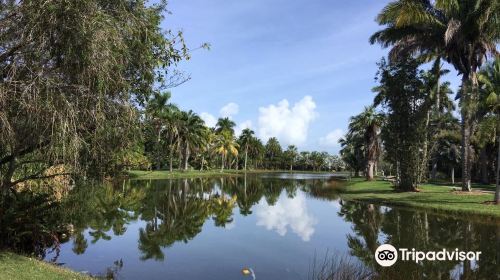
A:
164	174
433	197
14	266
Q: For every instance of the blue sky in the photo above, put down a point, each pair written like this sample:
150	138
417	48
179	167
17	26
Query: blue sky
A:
314	54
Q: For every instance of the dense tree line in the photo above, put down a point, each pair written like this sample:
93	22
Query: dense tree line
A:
173	139
415	134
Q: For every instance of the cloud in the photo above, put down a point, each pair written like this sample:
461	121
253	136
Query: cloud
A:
332	138
229	110
287	212
289	124
209	119
239	128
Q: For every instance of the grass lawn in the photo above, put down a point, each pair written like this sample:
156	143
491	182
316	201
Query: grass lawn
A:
16	267
434	197
164	174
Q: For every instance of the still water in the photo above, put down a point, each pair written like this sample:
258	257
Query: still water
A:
281	226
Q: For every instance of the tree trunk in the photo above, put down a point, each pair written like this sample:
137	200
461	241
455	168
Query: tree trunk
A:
466	131
246	156
202	160
171	167
434	169
222	163
186	157
369	171
453	175
483	162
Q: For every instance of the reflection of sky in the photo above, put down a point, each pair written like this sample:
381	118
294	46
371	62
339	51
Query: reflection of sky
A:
287	213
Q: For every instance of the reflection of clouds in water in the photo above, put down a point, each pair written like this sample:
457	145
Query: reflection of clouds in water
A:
287	212
230	226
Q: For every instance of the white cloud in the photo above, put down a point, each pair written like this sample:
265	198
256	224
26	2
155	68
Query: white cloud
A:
332	138
209	119
229	110
239	128
287	212
289	124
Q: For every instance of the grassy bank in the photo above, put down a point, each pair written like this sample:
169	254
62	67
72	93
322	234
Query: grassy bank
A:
163	174
434	197
14	266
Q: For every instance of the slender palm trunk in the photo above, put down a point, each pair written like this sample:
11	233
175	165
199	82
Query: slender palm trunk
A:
222	163
453	175
246	156
186	157
466	133
202	161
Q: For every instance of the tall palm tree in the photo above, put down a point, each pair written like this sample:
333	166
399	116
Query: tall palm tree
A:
368	124
291	154
225	124
245	140
192	134
155	112
489	79
463	33
226	146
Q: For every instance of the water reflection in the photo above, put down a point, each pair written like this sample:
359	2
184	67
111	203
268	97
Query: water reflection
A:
132	229
287	212
375	225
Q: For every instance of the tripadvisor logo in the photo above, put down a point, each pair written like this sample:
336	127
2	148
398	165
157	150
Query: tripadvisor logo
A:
386	255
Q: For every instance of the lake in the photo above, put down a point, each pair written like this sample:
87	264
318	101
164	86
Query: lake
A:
282	226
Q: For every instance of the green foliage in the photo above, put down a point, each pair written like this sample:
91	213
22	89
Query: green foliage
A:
406	105
71	80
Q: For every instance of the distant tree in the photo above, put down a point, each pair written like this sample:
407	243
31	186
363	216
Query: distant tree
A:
225	124
368	124
290	156
245	141
226	146
273	153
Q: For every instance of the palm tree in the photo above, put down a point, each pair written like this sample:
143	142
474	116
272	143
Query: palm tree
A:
155	111
352	151
291	154
368	124
463	33
489	79
192	134
226	146
245	140
273	152
225	124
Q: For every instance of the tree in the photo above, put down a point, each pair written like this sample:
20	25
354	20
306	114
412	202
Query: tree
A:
368	124
273	152
192	135
352	151
64	99
156	112
489	79
400	93
291	155
225	146
461	32
246	140
225	124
